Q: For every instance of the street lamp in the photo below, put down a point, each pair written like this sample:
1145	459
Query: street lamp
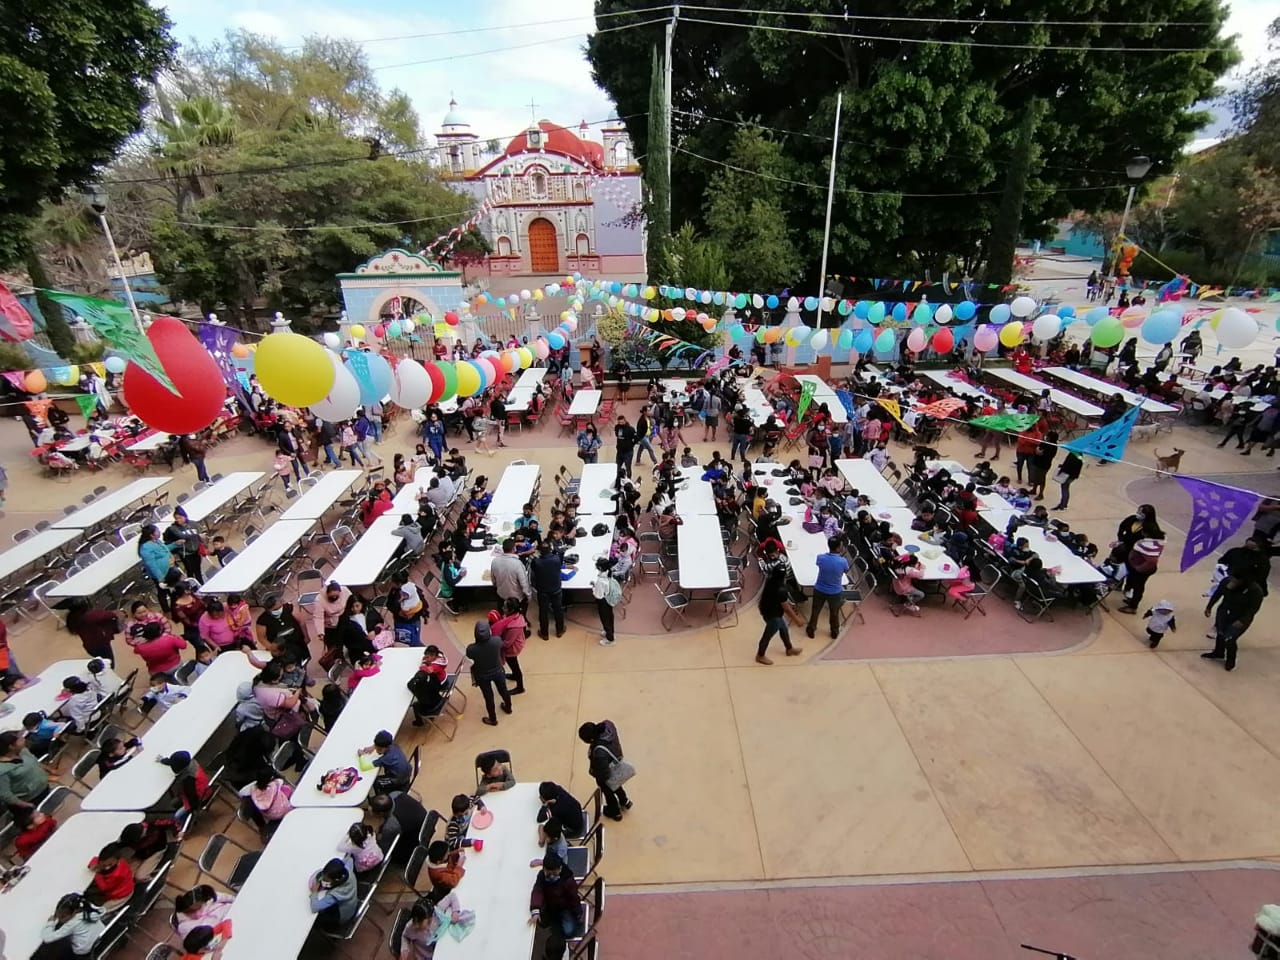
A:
1135	170
96	198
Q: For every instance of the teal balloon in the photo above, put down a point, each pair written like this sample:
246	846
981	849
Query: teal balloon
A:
861	309
378	384
845	308
862	342
554	340
811	303
899	312
1000	313
845	340
740	301
965	310
885	341
393	329
922	315
771	302
875	313
1161	327
1066	311
1094	315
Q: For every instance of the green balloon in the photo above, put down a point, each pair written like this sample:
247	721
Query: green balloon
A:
450	379
740	301
876	313
1107	332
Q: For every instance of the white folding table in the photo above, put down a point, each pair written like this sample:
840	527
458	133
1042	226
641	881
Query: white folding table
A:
1094	385
694	496
219	493
187	725
700	551
477	561
803	549
34	548
498	881
379	703
42	694
866	479
271	916
823	393
59	867
363	563
153	441
1071	568
109	504
530	377
934	561
957	386
515	489
589	549
313	504
1065	400
251	563
585	403
596	489
759	409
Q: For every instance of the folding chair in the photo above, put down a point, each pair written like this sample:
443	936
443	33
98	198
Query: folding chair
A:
240	870
726	603
675	603
988	578
584	857
1035	603
486	759
592	909
397	927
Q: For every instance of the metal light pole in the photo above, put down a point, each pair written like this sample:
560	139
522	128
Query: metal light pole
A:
1135	169
96	198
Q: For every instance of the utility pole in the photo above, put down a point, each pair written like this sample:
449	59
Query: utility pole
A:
831	190
669	36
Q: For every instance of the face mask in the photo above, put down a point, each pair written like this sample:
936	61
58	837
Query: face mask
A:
278	612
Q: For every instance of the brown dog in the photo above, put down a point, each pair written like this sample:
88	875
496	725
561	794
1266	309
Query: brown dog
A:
1168	464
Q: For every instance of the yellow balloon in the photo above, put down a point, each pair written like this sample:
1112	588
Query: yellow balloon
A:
538	294
1011	334
468	380
1215	318
526	357
649	293
72	377
357	331
293	369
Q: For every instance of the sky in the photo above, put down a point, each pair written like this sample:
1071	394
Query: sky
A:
532	51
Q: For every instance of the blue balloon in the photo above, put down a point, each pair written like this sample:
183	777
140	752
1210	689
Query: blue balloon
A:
554	340
1161	327
861	309
922	315
1066	311
615	287
862	342
771	302
965	310
899	312
718	298
1094	315
1000	313
811	303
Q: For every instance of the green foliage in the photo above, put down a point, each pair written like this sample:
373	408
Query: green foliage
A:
746	206
1007	228
657	168
88	352
921	117
1256	106
13	357
73	81
1250	271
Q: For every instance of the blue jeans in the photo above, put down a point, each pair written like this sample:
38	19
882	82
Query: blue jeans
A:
375	428
774	625
330	456
353	452
642	444
741	441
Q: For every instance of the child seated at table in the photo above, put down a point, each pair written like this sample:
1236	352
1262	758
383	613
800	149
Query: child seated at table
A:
445	867
199	906
80	703
361	845
113	880
687	459
1003	487
222	552
163	693
148	838
43	735
455	833
115	753
367	665
34	828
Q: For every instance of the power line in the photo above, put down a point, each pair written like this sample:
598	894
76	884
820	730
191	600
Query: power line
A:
329	226
979	21
1035	47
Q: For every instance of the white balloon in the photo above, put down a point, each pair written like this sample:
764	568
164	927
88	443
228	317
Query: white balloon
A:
1022	306
344	395
943	314
828	304
793	304
757	301
1236	329
332	341
526	295
407	325
678	313
1046	326
819	340
572	322
705	296
410	385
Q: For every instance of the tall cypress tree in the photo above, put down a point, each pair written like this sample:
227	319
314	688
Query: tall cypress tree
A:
1007	227
657	171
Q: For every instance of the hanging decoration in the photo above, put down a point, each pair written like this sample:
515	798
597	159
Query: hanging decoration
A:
114	323
15	320
88	402
1217	513
192	373
442	246
806	397
1108	441
1012	422
940	409
220	341
894	410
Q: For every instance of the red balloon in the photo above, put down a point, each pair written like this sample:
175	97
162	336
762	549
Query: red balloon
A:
943	341
379	331
437	381
194	373
451	318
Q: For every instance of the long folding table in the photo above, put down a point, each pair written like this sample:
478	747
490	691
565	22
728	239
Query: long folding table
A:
109	504
1061	398
253	562
1092	384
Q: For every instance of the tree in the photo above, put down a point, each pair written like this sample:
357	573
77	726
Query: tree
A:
746	206
192	144
471	249
1256	105
931	117
658	169
73	81
1007	228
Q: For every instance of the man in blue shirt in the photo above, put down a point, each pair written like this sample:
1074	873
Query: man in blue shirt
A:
828	589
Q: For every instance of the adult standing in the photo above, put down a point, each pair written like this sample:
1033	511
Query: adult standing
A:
184	536
604	753
489	671
1068	473
625	435
1240	601
545	574
608	594
94	626
157	558
741	433
589	444
194	448
827	590
1027	443
644	428
329	609
775	606
1140	565
510	578
1040	462
711	409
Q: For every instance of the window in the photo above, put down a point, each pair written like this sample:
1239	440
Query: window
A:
504	247
539	184
583	245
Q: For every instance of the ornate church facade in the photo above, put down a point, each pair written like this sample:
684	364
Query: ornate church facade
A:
553	202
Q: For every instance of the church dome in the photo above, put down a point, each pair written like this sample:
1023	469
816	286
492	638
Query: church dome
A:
558	139
454	118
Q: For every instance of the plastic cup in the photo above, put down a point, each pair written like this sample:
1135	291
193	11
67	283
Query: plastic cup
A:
477	845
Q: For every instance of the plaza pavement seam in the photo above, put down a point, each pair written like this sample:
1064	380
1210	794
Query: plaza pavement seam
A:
919	766
1209	700
1105	772
737	733
976	876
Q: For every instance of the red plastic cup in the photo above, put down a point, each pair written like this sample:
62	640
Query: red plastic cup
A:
477	845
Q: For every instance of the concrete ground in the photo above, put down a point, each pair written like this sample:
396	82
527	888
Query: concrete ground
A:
1088	787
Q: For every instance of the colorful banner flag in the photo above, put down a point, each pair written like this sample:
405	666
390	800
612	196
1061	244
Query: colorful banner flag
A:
15	320
1217	513
846	401
114	323
218	339
1107	442
940	409
87	402
39	408
1013	422
806	396
895	411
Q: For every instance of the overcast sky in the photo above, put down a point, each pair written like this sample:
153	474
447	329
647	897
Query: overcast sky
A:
521	51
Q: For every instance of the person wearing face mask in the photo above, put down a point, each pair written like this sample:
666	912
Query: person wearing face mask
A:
278	630
1139	525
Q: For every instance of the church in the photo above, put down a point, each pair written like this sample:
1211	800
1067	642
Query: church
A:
555	202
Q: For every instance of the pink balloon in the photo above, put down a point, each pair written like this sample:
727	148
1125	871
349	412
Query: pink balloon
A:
915	340
985	339
379	331
1133	317
490	373
541	349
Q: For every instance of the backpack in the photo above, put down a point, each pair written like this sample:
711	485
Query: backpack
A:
612	592
248	713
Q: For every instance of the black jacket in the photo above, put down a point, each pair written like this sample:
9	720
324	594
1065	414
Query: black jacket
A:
606	740
625	435
544	571
1071	464
486	653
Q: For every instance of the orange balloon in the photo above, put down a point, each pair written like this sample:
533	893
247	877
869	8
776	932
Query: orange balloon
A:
773	334
240	350
35	382
1133	317
508	360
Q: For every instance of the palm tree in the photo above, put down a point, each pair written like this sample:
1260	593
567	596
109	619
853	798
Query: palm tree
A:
198	134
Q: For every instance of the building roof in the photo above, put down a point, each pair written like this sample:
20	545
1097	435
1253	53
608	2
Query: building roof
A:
454	118
558	139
